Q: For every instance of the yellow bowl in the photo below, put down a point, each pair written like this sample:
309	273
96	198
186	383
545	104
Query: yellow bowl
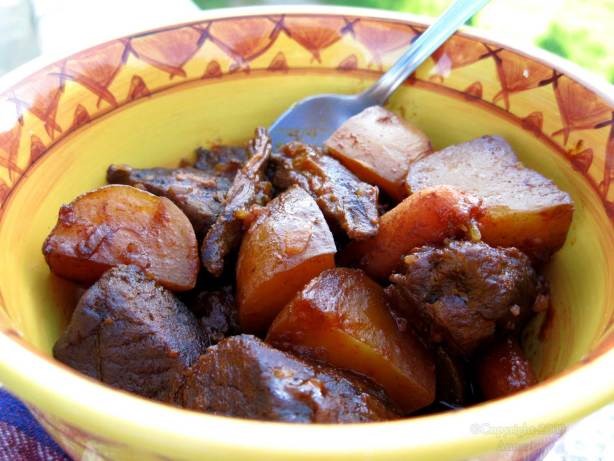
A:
151	98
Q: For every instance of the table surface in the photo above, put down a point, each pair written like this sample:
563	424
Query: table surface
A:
28	29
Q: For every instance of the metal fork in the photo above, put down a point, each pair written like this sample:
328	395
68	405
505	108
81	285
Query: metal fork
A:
313	119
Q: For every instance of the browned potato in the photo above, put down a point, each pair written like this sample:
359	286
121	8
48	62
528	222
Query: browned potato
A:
522	209
504	370
341	317
429	216
286	246
378	147
123	225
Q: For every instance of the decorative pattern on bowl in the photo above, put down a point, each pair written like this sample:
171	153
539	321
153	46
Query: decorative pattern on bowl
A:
60	100
130	68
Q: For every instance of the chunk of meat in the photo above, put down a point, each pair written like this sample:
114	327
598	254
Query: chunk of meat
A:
522	209
217	313
197	193
430	216
452	380
221	160
504	370
341	318
129	332
379	147
459	293
120	224
287	245
341	196
244	377
248	189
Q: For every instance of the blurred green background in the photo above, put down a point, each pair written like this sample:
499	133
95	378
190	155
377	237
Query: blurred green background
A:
579	30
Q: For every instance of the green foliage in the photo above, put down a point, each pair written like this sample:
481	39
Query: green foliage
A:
579	46
553	41
427	7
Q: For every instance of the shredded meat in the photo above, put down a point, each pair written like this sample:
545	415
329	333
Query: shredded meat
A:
199	194
221	160
247	190
342	197
217	313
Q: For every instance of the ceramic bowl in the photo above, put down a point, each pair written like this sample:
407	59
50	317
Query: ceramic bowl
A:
151	98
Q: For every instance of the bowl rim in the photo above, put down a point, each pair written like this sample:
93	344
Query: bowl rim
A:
491	426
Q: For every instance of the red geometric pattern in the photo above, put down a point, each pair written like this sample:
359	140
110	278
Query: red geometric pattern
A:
95	69
244	39
81	117
533	122
314	33
9	148
580	108
382	38
40	95
517	73
123	70
167	50
457	52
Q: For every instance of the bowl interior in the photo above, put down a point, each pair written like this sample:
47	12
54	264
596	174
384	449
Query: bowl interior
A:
153	98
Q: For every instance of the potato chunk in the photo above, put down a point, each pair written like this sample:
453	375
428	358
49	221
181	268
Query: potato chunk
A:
378	147
429	216
285	247
120	224
341	317
522	209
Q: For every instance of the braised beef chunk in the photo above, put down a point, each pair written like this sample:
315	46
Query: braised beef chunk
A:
221	160
248	189
342	197
217	313
243	376
129	332
460	293
199	194
452	380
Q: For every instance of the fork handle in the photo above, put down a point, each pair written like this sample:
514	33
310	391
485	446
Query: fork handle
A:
431	39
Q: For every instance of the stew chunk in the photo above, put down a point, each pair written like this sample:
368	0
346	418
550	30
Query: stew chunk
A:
285	247
504	370
221	160
120	224
459	293
247	190
522	209
244	377
129	332
197	193
341	317
430	216
379	147
217	313
341	196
